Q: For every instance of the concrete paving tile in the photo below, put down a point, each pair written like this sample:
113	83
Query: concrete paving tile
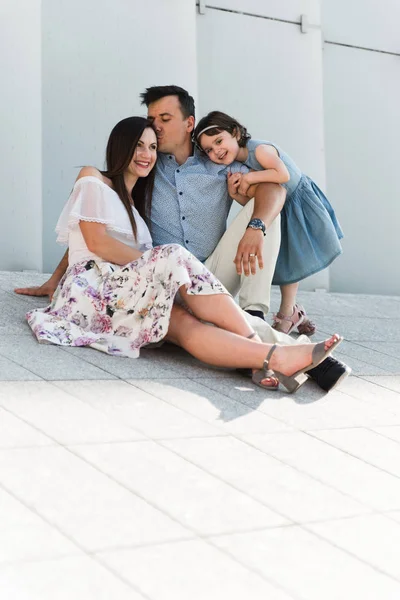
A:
310	408
307	566
357	305
64	579
332	466
47	360
128	405
278	486
193	497
25	303
361	368
14	433
11	371
192	570
240	388
353	350
12	317
83	503
62	416
391	382
391	349
182	363
393	514
25	536
210	406
372	538
12	279
367	445
125	368
391	432
362	329
376	395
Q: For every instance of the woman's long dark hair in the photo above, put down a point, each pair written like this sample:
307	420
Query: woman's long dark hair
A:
120	149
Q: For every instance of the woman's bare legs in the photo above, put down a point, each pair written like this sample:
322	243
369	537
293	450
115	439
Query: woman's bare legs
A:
219	309
223	348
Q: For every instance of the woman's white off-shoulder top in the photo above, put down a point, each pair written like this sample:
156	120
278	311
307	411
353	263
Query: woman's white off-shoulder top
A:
93	200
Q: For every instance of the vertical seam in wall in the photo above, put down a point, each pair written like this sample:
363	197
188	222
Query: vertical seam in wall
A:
41	139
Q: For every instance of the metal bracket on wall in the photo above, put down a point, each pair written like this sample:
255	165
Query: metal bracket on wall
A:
305	24
202	6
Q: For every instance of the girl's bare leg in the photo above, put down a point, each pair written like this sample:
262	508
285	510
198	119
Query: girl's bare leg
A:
222	348
288	298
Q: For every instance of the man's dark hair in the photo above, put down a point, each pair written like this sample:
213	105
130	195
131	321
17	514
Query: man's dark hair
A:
152	94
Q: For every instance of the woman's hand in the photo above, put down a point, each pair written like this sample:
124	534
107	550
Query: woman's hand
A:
46	289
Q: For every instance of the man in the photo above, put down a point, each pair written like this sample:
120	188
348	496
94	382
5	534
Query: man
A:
190	206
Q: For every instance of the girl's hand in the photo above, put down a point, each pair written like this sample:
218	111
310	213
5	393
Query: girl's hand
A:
244	185
234	180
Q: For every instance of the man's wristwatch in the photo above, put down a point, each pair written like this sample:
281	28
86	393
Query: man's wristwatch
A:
257	224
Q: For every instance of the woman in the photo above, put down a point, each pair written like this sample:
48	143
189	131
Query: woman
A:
120	294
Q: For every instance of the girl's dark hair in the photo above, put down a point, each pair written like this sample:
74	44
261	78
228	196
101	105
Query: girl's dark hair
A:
120	149
222	122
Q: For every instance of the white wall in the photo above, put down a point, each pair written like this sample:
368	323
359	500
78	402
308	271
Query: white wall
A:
98	56
362	124
366	23
20	110
271	80
289	10
72	69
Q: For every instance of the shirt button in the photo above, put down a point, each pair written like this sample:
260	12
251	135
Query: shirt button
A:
180	193
186	241
178	171
169	156
183	218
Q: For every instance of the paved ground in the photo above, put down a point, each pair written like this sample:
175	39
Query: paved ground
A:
164	479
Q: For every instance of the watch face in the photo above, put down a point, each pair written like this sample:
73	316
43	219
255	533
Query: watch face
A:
257	224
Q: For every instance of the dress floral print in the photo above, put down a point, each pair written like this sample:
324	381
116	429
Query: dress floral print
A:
120	309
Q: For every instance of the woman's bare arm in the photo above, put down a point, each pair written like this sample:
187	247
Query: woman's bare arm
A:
48	287
106	247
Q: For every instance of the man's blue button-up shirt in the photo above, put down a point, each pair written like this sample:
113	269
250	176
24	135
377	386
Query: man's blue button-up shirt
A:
190	203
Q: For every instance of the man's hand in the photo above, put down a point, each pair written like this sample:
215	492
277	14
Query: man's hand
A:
249	252
46	289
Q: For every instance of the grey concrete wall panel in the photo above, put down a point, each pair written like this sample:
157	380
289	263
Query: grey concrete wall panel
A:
290	10
20	109
97	57
366	23
362	125
272	82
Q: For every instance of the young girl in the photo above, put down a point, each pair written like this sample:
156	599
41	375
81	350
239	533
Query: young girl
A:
119	294
310	232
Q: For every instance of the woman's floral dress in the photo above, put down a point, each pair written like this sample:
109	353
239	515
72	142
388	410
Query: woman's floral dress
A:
115	309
